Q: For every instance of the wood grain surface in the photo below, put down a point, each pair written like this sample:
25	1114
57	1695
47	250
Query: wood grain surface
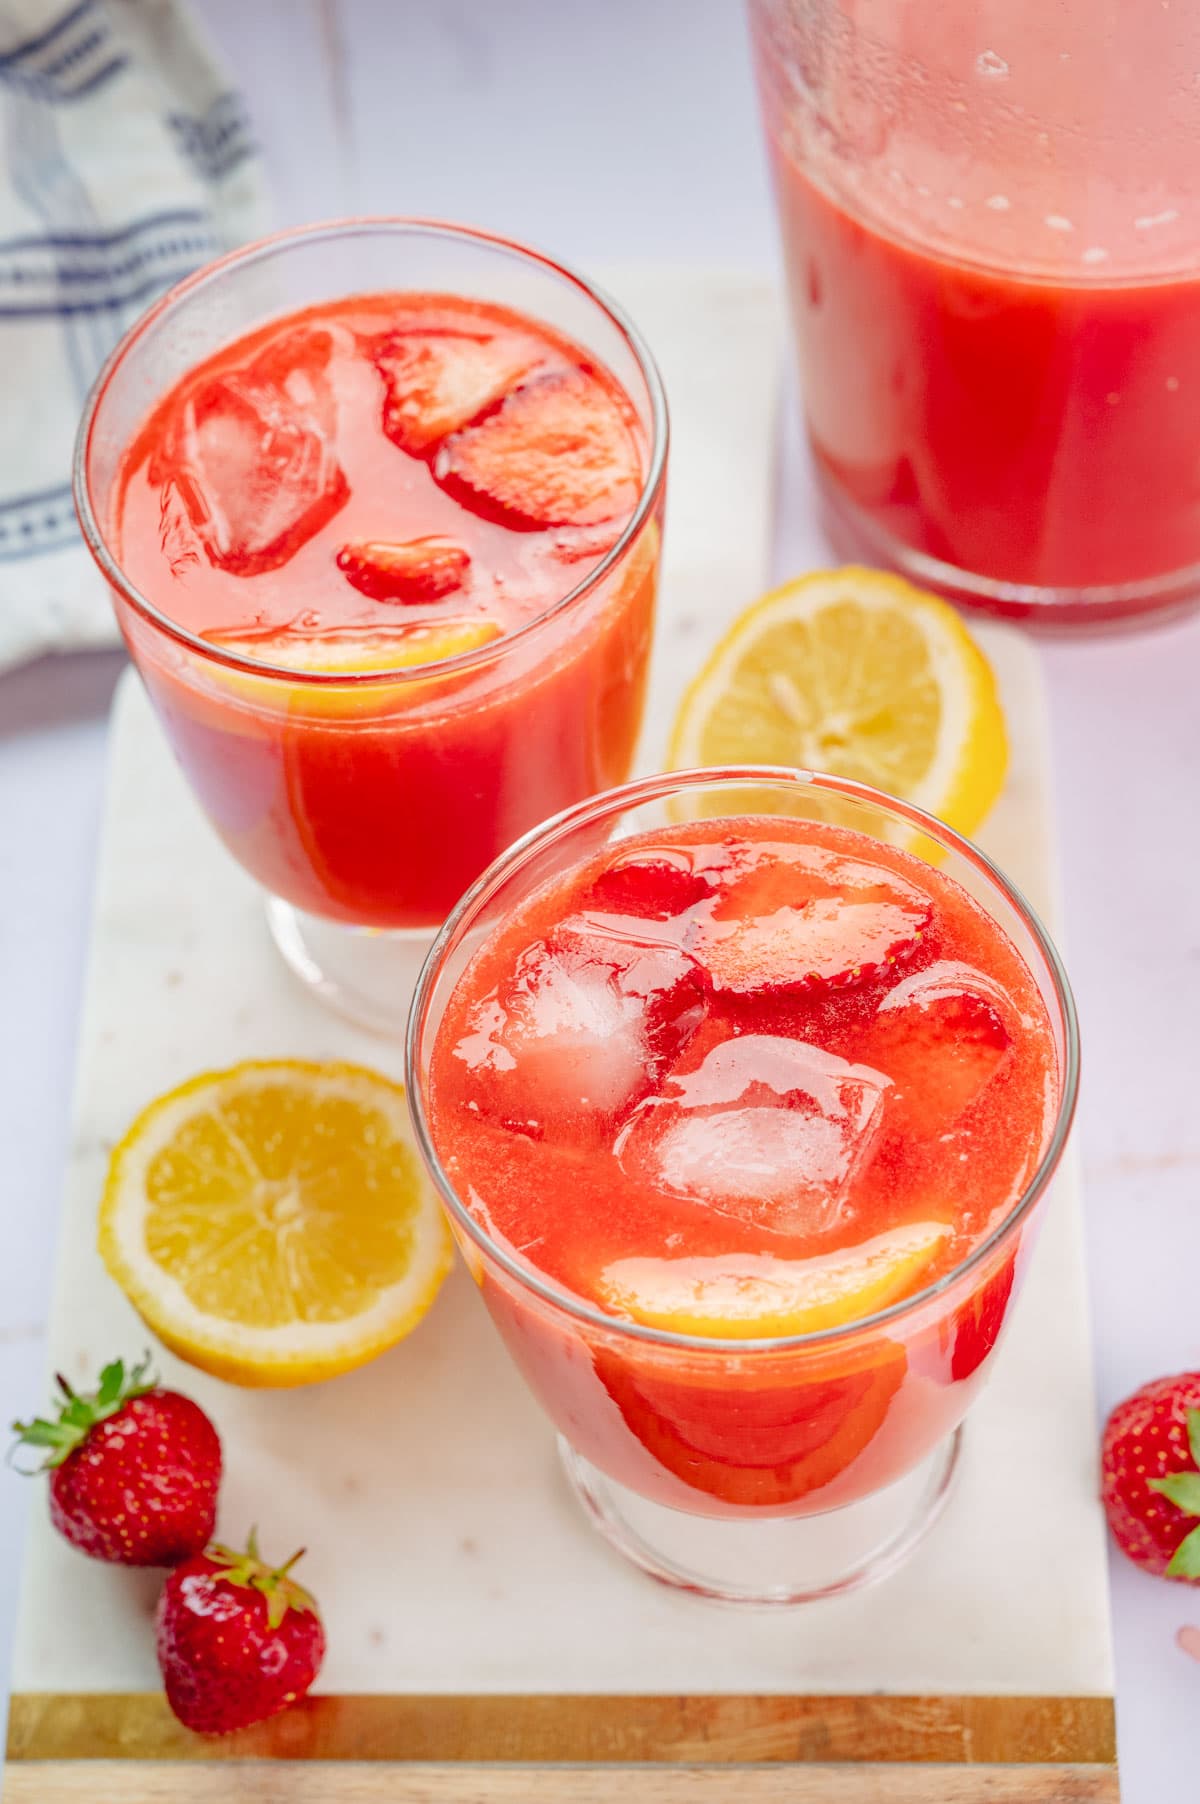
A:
255	1782
717	1730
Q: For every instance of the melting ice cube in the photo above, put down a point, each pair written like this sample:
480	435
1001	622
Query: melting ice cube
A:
769	1130
248	454
582	1031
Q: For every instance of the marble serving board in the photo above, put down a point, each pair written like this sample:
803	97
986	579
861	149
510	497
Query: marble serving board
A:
472	1613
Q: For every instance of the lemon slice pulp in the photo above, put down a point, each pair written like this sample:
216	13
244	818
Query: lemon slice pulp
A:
272	1223
857	673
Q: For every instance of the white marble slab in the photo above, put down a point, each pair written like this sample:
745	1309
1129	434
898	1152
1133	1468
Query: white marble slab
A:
446	1551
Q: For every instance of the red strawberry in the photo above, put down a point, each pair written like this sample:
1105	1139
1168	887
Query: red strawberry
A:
653	886
134	1470
441	376
558	452
238	1640
940	1044
809	923
417	570
1150	1476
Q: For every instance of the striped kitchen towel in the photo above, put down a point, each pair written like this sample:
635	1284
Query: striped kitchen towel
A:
126	160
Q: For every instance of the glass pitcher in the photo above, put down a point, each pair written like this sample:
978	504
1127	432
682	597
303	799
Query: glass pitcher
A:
990	213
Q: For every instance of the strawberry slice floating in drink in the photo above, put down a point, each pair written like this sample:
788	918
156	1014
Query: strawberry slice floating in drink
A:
650	885
417	570
440	377
941	1037
811	921
559	451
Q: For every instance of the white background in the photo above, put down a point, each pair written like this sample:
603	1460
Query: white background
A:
615	133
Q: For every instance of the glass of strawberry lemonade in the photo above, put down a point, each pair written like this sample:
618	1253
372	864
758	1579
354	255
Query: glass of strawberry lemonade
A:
741	1088
379	505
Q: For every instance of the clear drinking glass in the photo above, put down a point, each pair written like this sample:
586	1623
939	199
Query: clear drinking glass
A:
365	803
762	1471
990	216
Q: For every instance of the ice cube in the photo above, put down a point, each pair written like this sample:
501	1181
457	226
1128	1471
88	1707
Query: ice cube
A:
768	1130
250	454
584	1029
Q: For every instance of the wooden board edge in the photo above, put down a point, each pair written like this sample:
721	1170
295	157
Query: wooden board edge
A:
720	1730
252	1782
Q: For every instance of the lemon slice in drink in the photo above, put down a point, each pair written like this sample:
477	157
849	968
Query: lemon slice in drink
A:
743	1296
272	1223
857	673
357	651
350	652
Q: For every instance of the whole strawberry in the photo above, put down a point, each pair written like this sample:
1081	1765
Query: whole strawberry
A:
1151	1476
134	1470
238	1639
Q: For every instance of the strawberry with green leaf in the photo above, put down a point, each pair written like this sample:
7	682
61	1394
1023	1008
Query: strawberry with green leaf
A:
134	1469
238	1639
1151	1476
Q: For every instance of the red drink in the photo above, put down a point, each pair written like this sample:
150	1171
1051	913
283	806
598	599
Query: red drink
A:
387	564
741	1081
994	268
1032	430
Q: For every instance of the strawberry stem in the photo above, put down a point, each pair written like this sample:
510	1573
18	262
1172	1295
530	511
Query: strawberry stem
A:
78	1413
275	1583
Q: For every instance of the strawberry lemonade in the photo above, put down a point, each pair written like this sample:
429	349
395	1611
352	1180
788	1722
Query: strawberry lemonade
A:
728	1083
386	561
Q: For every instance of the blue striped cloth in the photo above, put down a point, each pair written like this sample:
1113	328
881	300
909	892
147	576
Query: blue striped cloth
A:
126	160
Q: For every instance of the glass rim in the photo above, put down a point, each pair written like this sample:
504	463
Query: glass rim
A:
652	788
365	225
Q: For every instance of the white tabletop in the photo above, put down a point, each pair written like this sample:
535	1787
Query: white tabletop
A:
621	133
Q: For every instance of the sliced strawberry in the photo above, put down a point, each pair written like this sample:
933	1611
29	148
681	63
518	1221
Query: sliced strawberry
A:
417	570
941	1046
653	886
558	452
439	378
807	922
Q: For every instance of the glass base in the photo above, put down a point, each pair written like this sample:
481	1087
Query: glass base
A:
792	1560
858	537
367	974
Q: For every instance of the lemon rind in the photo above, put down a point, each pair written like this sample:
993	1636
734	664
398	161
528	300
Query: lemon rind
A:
297	1352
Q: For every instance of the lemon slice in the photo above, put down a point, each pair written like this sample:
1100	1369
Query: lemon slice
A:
350	652
354	651
857	673
272	1224
743	1296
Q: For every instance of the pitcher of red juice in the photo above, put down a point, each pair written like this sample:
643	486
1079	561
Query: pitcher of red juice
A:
991	229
